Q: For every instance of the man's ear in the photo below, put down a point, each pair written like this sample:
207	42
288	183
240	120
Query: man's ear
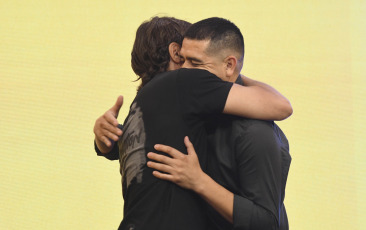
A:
230	65
174	49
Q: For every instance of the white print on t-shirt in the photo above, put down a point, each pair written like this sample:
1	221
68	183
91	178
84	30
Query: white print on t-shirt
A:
132	146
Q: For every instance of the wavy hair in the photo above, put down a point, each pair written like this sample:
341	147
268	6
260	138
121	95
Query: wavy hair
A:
150	53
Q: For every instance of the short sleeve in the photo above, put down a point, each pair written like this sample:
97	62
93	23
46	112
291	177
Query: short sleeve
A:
202	92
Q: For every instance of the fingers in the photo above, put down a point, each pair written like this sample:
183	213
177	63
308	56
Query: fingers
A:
163	176
160	158
169	150
106	141
160	167
105	137
110	135
189	145
117	106
104	130
110	117
110	123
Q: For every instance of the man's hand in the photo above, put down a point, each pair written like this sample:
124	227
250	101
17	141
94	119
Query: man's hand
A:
185	171
181	169
105	128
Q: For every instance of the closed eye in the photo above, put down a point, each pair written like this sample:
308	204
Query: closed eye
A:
195	64
194	61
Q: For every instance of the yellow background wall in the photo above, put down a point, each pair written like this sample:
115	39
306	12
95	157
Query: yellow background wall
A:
63	63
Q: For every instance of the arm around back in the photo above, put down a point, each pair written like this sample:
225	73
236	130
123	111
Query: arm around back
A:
257	102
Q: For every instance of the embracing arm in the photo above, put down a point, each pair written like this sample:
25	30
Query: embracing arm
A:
221	199
106	129
185	171
257	100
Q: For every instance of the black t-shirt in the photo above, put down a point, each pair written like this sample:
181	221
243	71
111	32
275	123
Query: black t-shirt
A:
171	106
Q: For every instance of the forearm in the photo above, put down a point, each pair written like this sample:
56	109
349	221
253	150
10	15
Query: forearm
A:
257	103
217	196
282	100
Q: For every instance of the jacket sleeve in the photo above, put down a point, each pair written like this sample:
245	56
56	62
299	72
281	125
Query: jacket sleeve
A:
259	169
248	215
112	155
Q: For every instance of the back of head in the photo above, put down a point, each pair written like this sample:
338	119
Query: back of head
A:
150	53
222	34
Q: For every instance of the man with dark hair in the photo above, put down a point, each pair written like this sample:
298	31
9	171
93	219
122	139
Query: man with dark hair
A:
222	35
249	159
167	108
152	56
155	50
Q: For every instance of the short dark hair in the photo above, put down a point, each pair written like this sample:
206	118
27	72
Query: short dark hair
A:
221	33
150	53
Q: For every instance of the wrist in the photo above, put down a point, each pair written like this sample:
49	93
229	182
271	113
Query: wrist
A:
201	183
